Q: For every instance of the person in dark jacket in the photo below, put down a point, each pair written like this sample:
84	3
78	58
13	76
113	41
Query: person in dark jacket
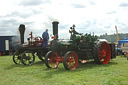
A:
45	37
73	32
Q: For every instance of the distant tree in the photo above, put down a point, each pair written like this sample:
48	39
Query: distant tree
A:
105	33
121	38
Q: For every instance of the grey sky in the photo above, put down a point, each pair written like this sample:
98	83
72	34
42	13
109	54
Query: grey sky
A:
98	16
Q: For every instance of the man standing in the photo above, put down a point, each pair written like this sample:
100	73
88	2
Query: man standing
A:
45	37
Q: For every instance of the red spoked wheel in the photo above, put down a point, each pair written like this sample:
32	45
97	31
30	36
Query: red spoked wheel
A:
101	53
104	53
70	60
51	59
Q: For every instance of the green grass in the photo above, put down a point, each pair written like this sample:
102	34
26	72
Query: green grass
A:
114	73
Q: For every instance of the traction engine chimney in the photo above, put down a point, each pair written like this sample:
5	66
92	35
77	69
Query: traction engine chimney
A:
55	28
22	30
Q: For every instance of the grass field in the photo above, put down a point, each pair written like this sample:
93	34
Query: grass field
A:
114	73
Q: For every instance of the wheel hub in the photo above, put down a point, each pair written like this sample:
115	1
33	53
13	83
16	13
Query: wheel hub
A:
19	57
103	53
28	58
70	59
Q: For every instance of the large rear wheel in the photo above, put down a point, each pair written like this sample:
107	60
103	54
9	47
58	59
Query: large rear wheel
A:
102	53
70	60
28	58
51	59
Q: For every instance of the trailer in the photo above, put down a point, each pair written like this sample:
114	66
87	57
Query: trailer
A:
7	45
80	47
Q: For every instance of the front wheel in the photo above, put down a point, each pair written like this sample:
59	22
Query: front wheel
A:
51	59
70	60
28	58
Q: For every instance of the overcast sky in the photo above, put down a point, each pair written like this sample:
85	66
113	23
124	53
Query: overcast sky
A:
98	16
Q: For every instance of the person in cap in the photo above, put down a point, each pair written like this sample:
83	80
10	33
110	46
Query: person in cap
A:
45	37
73	32
73	29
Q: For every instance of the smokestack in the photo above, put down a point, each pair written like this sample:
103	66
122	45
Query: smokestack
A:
22	30
55	28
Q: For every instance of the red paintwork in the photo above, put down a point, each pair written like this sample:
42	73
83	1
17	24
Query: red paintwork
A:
33	41
104	53
72	60
59	59
53	37
31	35
53	60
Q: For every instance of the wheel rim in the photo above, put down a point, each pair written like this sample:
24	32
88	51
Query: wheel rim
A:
28	58
104	53
71	61
52	60
17	58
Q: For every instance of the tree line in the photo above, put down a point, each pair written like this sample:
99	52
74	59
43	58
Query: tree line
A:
113	37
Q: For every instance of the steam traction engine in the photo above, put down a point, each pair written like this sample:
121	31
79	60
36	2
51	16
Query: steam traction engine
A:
25	53
79	47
